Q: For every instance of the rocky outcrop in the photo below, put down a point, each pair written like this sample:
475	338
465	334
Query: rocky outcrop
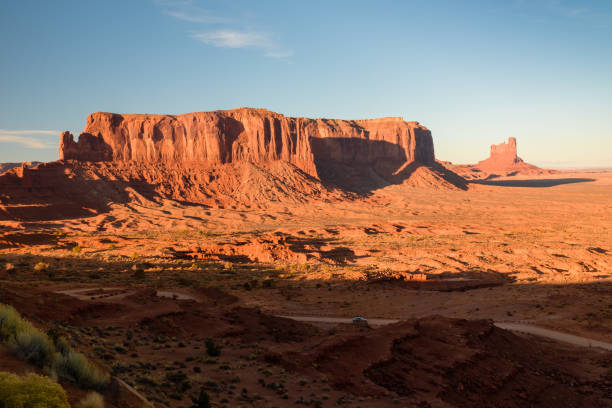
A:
503	161
502	156
4	167
88	148
249	135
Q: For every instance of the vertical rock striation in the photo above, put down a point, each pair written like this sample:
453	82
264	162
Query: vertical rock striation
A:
248	135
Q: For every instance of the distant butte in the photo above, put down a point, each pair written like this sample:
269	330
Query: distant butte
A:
503	156
503	161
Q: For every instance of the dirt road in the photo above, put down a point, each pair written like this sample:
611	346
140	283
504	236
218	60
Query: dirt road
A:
323	319
516	327
555	335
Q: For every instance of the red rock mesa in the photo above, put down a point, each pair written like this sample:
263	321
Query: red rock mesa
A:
248	135
237	158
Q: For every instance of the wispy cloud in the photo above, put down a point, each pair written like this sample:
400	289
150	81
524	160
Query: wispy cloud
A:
187	10
229	37
199	16
29	132
278	53
589	14
233	39
27	139
242	39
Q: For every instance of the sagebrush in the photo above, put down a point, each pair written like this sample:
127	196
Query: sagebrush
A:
31	391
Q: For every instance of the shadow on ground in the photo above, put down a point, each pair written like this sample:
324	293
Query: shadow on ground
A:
533	183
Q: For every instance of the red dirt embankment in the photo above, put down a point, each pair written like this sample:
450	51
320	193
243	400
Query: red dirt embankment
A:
468	363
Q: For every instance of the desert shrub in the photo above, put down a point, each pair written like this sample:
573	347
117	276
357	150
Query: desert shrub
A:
211	348
92	400
177	377
23	339
180	380
139	274
33	346
10	322
32	391
268	282
62	345
75	367
202	400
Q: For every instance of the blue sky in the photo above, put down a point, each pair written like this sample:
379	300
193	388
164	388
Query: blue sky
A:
474	72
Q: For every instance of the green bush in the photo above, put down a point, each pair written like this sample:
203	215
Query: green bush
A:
75	368
62	345
33	346
92	400
32	391
10	322
24	340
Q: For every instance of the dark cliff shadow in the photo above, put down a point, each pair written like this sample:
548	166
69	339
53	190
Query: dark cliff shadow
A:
538	183
338	254
363	166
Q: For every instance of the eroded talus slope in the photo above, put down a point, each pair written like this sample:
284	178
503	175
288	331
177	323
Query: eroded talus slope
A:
61	190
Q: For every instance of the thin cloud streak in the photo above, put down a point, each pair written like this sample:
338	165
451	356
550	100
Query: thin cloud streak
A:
28	132
30	142
174	3
188	11
242	39
199	16
233	39
21	137
567	10
279	54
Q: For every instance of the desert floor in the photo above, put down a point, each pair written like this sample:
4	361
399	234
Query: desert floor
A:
536	251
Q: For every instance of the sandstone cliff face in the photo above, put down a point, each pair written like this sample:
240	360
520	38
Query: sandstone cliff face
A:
4	167
248	135
239	159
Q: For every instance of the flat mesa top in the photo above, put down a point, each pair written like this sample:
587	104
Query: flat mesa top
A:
244	110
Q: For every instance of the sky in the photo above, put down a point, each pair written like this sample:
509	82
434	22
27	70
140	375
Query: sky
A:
474	72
